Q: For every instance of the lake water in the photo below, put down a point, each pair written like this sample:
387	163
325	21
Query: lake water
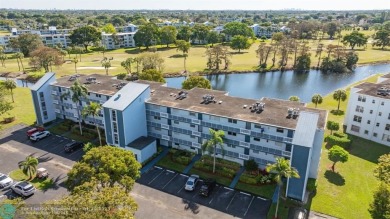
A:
19	82
282	85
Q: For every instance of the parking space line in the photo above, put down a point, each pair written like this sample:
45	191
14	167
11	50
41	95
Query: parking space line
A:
156	176
249	205
169	181
59	136
262	198
231	201
181	188
183	175
245	193
170	171
158	167
219	187
228	188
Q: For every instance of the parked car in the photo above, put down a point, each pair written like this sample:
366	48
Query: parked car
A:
39	135
298	213
207	187
34	130
73	146
191	183
5	181
23	188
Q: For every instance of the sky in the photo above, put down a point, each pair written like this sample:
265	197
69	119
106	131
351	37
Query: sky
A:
198	4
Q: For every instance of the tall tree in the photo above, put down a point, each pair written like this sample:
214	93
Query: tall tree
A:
303	63
109	28
382	38
85	36
168	35
216	55
45	57
184	33
75	61
152	75
199	33
10	85
77	93
282	169
106	63
5	106
380	206
316	99
331	29
146	35
382	171
239	42
127	64
332	126
93	109
19	58
196	81
294	98
355	39
337	154
216	140
339	95
233	29
3	56
107	166
212	37
184	47
26	42
29	166
319	50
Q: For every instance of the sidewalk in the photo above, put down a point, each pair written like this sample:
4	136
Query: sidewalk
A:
194	159
155	160
237	177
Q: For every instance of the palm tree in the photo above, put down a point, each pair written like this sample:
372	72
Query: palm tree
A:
316	99
29	166
10	85
339	95
93	109
282	169
106	63
75	61
211	144
78	92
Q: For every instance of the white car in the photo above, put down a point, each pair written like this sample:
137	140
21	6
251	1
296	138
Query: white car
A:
191	183
39	135
5	181
23	188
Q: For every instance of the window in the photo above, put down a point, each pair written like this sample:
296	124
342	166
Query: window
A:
192	126
214	118
255	151
386	138
232	121
377	124
280	144
232	133
157	118
368	121
115	127
387	128
375	134
176	122
230	146
383	103
259	126
98	95
359	109
157	128
355	128
113	113
380	113
176	144
366	132
280	130
357	118
256	139
192	114
362	98
371	111
116	141
373	101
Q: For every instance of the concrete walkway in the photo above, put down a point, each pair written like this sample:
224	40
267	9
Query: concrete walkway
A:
237	177
276	194
194	159
155	160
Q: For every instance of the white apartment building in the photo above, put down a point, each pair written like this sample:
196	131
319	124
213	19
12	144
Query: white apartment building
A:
368	111
118	40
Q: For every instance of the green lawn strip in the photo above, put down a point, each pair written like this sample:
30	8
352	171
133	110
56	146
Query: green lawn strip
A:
58	130
42	184
265	191
78	137
348	192
166	162
205	175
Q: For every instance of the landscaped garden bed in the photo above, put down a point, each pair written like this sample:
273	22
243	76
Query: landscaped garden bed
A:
176	160
42	184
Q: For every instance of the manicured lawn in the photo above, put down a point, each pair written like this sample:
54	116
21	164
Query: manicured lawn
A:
204	175
44	184
57	129
348	192
23	108
265	191
196	61
166	162
78	137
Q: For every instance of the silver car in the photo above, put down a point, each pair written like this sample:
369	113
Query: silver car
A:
39	135
191	183
5	181
23	188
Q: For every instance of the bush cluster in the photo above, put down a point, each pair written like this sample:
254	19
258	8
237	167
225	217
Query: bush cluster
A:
334	140
256	179
220	169
311	185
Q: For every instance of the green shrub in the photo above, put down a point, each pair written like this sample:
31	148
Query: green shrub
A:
182	160
334	140
121	76
311	185
340	135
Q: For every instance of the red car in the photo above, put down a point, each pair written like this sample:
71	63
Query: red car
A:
33	130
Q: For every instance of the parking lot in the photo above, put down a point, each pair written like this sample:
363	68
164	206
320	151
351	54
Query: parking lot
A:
224	199
15	146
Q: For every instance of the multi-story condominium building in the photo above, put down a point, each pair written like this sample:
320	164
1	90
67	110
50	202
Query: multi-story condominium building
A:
368	112
260	31
118	40
135	113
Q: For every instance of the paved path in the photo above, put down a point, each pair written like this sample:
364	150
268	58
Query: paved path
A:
155	160
194	159
276	194
237	177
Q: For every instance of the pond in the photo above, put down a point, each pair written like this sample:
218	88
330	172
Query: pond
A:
282	85
19	83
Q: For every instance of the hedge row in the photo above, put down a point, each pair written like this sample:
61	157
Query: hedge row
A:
340	135
334	140
259	179
223	162
223	171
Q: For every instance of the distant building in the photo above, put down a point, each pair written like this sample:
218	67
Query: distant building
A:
260	31
137	116
368	111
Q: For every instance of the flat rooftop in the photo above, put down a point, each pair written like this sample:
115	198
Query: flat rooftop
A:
371	89
106	85
141	142
275	111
